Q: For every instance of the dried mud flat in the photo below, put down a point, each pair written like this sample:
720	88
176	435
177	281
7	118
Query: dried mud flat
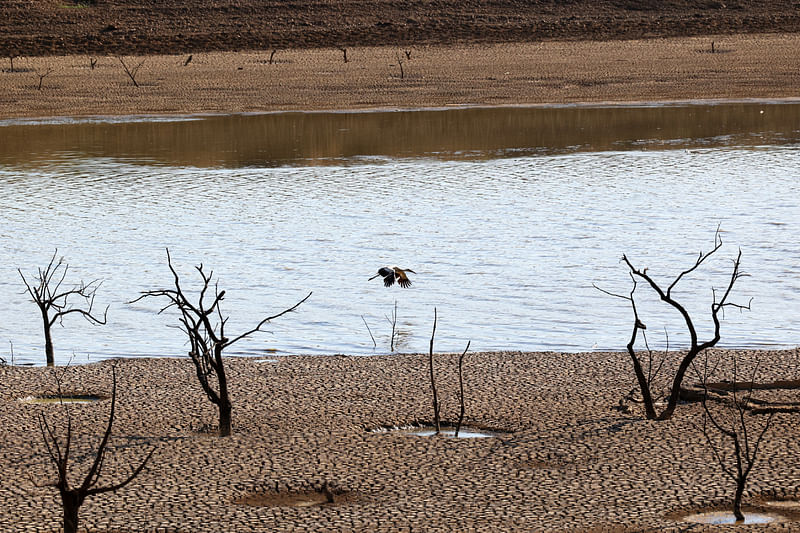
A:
399	54
675	69
566	460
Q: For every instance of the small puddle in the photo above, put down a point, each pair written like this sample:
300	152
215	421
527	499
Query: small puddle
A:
727	517
306	498
463	434
67	398
430	431
265	361
295	499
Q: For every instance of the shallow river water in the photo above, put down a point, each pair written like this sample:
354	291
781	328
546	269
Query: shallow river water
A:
508	216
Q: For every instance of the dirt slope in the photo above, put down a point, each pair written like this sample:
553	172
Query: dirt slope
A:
56	27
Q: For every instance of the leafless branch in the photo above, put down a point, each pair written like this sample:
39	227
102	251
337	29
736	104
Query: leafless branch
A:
645	379
400	64
374	344
42	76
461	389
434	393
55	303
393	322
273	317
73	497
131	71
204	324
736	431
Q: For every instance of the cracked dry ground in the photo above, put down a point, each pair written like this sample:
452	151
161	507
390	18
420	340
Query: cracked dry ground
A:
564	459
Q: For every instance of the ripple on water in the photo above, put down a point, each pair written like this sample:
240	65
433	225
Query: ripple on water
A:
506	249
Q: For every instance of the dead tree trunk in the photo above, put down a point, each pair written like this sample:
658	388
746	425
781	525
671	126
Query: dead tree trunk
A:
73	497
737	499
400	64
71	503
695	346
734	428
48	338
461	400
55	302
224	402
434	393
132	71
204	325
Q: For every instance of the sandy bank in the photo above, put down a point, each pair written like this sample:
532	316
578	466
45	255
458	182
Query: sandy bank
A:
565	460
744	66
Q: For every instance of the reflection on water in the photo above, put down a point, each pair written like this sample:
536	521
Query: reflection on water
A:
507	248
302	139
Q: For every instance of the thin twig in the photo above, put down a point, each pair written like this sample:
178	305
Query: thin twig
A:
374	344
42	77
433	378
131	72
461	389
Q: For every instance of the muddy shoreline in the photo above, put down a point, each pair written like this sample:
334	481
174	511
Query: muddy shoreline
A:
566	458
752	66
64	57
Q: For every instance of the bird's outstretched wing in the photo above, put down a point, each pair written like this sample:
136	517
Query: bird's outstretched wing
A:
402	277
388	280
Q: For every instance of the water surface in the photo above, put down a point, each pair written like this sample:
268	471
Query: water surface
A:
507	215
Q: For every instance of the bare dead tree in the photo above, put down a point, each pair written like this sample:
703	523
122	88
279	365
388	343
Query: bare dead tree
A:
461	390
55	301
72	497
92	62
434	394
42	76
188	60
408	54
11	58
734	427
718	304
344	53
400	64
204	325
131	71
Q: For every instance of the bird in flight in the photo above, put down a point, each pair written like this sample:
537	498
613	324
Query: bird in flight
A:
392	274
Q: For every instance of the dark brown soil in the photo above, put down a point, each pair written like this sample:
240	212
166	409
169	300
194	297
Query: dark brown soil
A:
57	27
